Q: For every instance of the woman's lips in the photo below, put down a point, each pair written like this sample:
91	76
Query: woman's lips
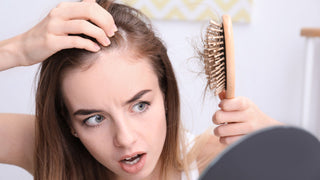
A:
133	163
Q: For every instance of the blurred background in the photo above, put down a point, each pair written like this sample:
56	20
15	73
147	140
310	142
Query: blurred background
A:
270	57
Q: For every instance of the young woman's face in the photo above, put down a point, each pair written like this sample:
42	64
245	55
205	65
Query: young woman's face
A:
117	110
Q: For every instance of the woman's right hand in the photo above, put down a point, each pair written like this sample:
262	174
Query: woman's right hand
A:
53	32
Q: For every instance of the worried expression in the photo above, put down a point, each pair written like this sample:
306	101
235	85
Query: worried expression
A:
117	110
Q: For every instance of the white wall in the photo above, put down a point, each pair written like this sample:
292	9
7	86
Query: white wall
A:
270	57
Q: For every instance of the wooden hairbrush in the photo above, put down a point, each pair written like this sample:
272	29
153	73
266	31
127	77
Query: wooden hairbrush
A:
218	57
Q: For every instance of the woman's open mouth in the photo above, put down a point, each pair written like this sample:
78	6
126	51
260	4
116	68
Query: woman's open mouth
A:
133	163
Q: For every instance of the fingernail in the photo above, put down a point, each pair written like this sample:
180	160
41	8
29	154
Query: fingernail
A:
111	34
115	29
107	42
96	47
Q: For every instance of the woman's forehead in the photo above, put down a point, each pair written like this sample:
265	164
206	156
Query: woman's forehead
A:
112	74
117	62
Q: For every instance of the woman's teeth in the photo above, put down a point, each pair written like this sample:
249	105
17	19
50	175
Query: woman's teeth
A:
132	160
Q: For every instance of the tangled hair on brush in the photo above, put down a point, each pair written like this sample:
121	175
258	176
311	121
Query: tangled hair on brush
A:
58	154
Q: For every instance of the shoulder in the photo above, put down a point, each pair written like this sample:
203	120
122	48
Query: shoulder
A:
17	140
211	147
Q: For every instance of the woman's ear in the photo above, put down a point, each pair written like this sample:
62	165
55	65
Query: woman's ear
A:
74	133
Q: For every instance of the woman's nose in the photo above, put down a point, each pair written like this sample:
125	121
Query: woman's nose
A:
124	134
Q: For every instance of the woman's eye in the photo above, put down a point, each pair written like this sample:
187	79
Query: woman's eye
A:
94	120
140	107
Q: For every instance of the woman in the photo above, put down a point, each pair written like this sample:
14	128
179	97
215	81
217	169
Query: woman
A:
110	111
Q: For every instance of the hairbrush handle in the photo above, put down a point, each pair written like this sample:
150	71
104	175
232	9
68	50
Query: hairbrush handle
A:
229	53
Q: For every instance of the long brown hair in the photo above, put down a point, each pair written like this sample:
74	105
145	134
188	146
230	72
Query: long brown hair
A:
58	154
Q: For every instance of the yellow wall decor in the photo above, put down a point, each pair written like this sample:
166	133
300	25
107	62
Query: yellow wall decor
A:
239	10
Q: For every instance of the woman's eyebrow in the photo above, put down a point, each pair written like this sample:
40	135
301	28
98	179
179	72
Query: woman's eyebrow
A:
137	96
91	111
86	111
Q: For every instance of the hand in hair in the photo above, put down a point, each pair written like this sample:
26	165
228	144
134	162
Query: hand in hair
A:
237	117
57	31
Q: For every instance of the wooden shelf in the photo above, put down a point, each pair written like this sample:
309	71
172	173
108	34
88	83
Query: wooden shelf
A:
310	32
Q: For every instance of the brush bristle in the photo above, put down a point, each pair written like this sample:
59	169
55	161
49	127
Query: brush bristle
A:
214	57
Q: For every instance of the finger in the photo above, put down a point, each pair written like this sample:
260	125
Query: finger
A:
234	104
85	27
87	11
230	139
89	1
66	42
222	95
232	129
222	117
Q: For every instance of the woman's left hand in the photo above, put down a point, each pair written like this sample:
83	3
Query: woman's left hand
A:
239	116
